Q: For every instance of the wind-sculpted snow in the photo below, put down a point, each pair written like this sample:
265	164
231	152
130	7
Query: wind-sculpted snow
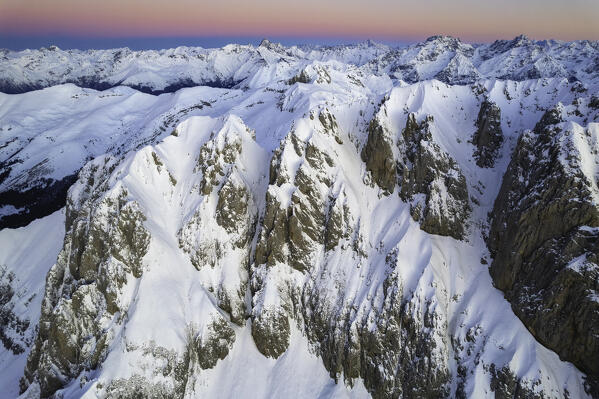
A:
318	230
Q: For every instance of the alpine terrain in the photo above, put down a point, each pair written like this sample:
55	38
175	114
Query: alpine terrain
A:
336	222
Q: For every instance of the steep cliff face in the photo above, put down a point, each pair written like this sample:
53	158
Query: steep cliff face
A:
86	289
305	240
227	186
379	157
432	182
544	236
428	178
488	136
93	297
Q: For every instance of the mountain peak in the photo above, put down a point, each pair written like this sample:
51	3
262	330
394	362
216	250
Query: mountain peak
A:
442	38
265	43
277	47
370	43
521	40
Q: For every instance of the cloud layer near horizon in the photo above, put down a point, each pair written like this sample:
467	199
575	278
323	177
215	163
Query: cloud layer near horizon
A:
468	19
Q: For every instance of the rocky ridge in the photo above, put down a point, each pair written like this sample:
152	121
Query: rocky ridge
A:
544	239
343	213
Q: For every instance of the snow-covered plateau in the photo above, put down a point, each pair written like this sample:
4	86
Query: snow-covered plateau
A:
335	222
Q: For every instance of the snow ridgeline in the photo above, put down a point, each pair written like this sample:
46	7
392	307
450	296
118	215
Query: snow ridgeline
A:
329	233
245	66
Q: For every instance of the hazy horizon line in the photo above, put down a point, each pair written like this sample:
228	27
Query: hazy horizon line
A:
23	42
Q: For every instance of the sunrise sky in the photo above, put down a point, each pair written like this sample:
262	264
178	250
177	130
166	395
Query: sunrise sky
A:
387	20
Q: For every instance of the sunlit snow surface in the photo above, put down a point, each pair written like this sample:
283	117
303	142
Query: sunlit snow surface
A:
58	129
28	252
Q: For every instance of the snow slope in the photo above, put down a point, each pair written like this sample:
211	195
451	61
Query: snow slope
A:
220	241
27	253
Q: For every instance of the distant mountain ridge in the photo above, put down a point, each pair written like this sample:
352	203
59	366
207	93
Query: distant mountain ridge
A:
163	71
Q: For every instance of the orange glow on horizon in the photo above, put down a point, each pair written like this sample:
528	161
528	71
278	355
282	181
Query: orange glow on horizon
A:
380	19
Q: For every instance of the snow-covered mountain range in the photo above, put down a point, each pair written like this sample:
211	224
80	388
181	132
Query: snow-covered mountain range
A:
245	66
271	221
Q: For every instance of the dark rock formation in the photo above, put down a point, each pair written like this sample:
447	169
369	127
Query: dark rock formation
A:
378	156
302	77
431	181
35	202
416	368
271	332
104	245
488	136
544	239
505	385
215	344
291	235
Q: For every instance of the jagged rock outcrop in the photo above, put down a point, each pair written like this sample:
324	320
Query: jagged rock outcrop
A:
271	332
294	231
505	385
225	198
291	233
104	246
379	158
174	373
544	237
363	342
302	77
329	124
431	182
301	240
488	136
213	344
10	323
